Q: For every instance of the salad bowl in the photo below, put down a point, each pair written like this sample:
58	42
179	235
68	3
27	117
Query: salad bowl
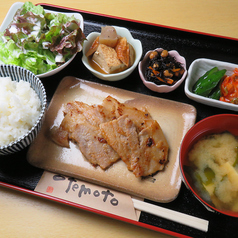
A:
9	18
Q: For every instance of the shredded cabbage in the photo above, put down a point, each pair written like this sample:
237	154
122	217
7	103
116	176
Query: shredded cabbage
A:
40	41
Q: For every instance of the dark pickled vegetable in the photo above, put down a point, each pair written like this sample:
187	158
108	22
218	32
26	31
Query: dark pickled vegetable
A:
163	68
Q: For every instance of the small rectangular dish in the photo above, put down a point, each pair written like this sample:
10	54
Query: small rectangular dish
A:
198	68
174	118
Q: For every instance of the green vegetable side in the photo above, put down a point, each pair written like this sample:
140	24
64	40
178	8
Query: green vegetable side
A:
208	85
40	41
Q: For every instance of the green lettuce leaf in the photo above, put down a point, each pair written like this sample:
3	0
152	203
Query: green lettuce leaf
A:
40	41
30	7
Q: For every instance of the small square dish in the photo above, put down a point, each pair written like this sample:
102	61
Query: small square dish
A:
9	18
198	68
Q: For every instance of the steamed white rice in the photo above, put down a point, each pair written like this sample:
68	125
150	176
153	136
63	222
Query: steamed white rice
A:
19	109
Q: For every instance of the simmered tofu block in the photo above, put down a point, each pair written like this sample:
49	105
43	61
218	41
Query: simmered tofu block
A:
107	59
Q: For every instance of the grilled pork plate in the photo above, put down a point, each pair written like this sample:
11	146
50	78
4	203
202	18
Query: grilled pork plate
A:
112	131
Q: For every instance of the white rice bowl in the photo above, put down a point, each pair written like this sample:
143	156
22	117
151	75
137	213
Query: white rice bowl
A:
20	108
23	104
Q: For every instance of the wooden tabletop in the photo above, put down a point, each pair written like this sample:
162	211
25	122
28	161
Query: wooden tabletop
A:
217	17
23	215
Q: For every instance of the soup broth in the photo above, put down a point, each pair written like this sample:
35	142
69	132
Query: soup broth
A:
214	161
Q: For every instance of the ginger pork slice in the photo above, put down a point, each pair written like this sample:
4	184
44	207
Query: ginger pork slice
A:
94	114
144	152
80	125
153	150
60	135
93	146
118	109
121	135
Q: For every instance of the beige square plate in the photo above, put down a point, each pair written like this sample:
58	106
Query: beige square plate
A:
174	118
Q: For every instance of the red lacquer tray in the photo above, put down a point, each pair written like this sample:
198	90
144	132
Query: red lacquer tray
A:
16	173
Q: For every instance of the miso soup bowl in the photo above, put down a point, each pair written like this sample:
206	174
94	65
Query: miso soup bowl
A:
210	125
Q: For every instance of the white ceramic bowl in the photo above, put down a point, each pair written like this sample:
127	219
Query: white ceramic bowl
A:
196	70
117	76
7	20
17	73
161	88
